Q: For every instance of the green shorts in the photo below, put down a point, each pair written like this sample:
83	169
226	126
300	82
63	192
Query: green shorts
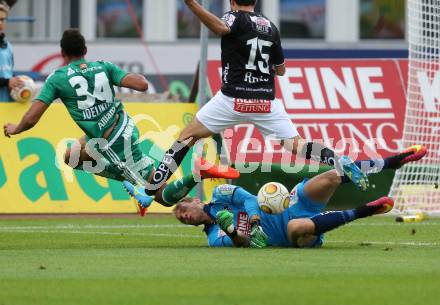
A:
123	150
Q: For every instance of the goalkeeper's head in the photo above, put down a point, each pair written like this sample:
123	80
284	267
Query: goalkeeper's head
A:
73	44
190	211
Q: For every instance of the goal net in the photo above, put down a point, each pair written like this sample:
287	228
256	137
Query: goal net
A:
416	185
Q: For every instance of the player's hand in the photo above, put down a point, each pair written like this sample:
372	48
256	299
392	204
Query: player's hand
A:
9	129
225	220
15	82
257	237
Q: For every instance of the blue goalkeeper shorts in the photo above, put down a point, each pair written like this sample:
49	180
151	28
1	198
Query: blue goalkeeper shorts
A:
275	226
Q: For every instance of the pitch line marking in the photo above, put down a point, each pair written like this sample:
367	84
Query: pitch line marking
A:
108	233
62	227
402	243
181	226
380	224
386	243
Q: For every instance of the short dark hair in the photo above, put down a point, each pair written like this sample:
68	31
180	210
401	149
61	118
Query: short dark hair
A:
73	43
246	2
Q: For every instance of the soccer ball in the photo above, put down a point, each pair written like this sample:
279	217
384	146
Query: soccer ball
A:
25	93
273	198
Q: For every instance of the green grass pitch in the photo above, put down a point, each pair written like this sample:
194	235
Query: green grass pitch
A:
155	260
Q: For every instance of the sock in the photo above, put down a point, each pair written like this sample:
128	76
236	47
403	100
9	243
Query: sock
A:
111	174
170	162
178	189
392	162
319	152
110	170
328	221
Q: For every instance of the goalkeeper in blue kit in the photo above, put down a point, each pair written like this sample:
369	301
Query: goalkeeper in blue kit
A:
233	217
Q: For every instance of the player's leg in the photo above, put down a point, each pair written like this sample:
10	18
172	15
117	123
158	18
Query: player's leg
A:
139	172
278	125
374	166
168	194
304	232
311	197
76	155
322	187
174	156
353	170
171	193
214	117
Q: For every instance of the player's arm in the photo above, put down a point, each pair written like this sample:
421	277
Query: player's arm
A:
278	55
121	78
257	237
225	222
134	81
280	70
239	240
211	21
29	120
11	83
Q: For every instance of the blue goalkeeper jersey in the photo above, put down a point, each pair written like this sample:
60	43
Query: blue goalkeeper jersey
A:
244	205
236	200
6	68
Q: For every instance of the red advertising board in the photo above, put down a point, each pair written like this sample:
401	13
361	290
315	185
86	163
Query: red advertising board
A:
355	106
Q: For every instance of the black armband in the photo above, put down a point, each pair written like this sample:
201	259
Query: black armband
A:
4	82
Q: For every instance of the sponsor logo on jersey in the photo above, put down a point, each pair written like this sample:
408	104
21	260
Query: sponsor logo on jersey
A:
260	21
226	189
229	19
70	71
106	118
261	24
252	105
83	66
225	73
243	224
251	79
294	196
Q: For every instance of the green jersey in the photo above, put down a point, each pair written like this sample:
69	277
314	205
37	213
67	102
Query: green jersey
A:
86	89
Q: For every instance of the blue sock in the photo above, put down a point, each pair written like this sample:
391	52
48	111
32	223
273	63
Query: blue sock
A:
330	220
327	221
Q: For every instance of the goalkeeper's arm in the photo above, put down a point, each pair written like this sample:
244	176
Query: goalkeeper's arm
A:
225	221
239	239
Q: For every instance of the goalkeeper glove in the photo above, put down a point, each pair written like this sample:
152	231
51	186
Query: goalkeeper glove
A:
225	220
257	237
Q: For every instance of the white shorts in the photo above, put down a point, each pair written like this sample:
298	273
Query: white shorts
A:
219	114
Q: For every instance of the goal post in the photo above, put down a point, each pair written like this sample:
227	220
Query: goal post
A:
416	185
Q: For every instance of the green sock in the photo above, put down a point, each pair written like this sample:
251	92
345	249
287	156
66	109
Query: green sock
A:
178	189
110	171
